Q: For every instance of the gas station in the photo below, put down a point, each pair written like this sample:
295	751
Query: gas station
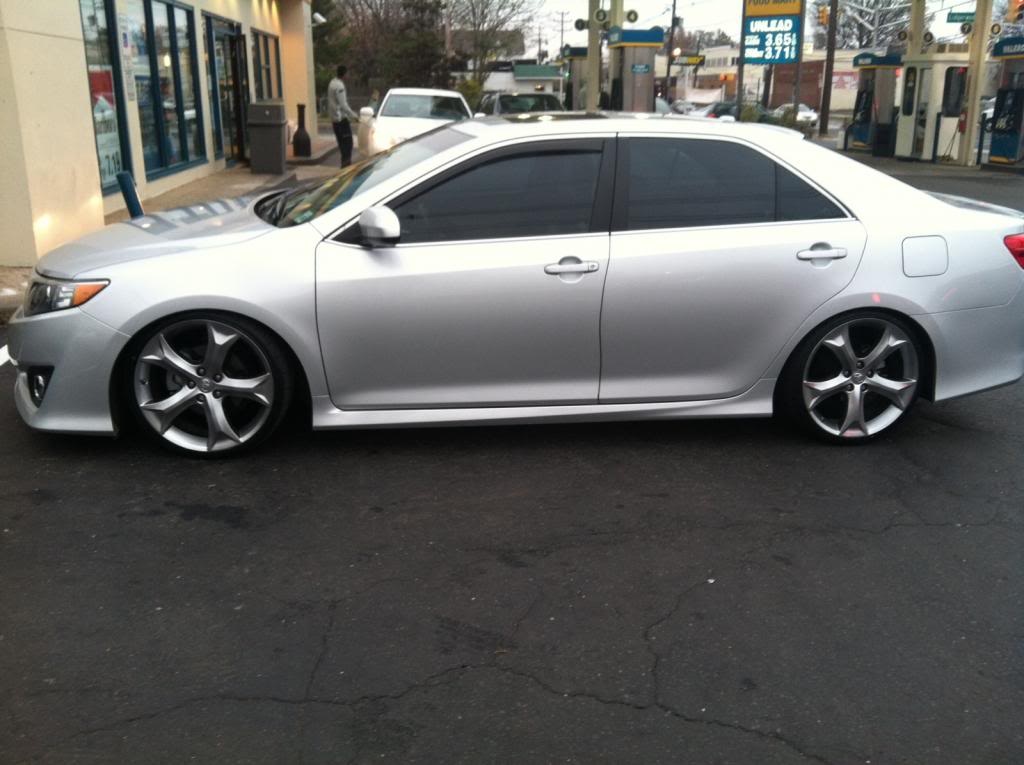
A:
922	105
931	118
1008	118
874	112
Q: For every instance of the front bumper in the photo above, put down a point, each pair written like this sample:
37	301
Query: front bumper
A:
82	352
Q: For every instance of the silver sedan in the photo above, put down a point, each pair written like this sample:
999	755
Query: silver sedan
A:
536	269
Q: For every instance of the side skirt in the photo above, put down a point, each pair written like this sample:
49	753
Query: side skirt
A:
756	402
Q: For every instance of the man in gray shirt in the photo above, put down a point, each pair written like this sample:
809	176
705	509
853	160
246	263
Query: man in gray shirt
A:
341	113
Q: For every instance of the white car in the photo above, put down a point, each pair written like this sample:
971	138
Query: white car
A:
542	268
406	113
805	115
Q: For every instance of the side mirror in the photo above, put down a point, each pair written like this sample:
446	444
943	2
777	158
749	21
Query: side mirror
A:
478	115
365	113
379	227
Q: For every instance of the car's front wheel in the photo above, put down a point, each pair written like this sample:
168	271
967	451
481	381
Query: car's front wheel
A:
853	378
209	383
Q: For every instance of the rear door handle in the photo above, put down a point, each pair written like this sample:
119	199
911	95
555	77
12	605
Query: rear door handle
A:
586	267
825	253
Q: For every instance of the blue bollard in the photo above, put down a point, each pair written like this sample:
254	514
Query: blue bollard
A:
130	194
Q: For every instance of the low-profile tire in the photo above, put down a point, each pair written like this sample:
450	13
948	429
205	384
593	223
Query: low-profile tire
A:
208	384
854	378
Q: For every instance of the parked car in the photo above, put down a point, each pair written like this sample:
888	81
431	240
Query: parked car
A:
681	106
805	115
727	110
519	103
506	271
405	113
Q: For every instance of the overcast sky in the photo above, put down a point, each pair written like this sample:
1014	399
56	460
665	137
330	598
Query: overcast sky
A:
696	14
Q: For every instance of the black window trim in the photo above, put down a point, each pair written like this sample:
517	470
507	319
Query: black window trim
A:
600	218
618	216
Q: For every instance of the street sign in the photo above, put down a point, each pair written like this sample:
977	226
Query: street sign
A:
641	68
690	60
632	16
772	39
580	24
960	17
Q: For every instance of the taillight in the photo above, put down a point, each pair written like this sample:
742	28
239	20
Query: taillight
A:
1015	244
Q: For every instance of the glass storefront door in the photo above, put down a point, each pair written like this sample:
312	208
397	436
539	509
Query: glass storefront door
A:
228	86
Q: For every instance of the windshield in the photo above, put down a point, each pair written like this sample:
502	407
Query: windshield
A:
424	106
308	202
529	102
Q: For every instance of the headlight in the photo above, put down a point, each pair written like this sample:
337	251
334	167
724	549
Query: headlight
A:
45	295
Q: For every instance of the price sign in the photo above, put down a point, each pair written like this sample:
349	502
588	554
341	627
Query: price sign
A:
772	40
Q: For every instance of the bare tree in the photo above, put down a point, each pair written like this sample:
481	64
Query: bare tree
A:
867	23
486	25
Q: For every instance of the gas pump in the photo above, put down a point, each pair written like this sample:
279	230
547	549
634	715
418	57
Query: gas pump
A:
1008	117
930	121
577	59
633	83
874	112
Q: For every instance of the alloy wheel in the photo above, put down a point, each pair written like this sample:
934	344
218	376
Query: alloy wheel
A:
203	385
860	378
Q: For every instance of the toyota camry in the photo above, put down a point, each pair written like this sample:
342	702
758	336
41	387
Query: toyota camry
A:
534	269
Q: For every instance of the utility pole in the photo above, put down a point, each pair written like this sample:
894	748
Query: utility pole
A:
739	64
830	62
593	78
799	57
539	30
561	29
671	47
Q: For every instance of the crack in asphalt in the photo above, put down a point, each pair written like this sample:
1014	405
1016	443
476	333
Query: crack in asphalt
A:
441	679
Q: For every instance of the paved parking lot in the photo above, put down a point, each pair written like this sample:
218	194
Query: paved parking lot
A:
699	592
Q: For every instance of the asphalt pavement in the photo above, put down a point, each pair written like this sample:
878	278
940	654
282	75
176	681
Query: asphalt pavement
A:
720	592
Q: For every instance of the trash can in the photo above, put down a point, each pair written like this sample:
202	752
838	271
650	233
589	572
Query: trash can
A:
268	137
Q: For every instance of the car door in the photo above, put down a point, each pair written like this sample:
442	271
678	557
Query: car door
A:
493	295
718	255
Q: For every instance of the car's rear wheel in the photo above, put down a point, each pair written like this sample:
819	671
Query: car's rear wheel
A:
854	378
209	384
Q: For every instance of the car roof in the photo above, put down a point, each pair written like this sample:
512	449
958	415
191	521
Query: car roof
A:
423	92
499	128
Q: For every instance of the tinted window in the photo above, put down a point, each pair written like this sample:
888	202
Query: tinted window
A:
531	194
798	200
308	202
675	183
679	183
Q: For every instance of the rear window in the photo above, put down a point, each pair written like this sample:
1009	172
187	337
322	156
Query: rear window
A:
529	102
424	106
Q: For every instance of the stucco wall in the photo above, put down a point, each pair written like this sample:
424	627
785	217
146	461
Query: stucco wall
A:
50	185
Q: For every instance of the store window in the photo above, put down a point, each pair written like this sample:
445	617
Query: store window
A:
162	36
266	65
108	116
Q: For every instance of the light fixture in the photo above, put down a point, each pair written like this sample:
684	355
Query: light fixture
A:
318	18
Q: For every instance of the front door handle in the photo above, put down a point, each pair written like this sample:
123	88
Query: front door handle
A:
586	267
822	252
